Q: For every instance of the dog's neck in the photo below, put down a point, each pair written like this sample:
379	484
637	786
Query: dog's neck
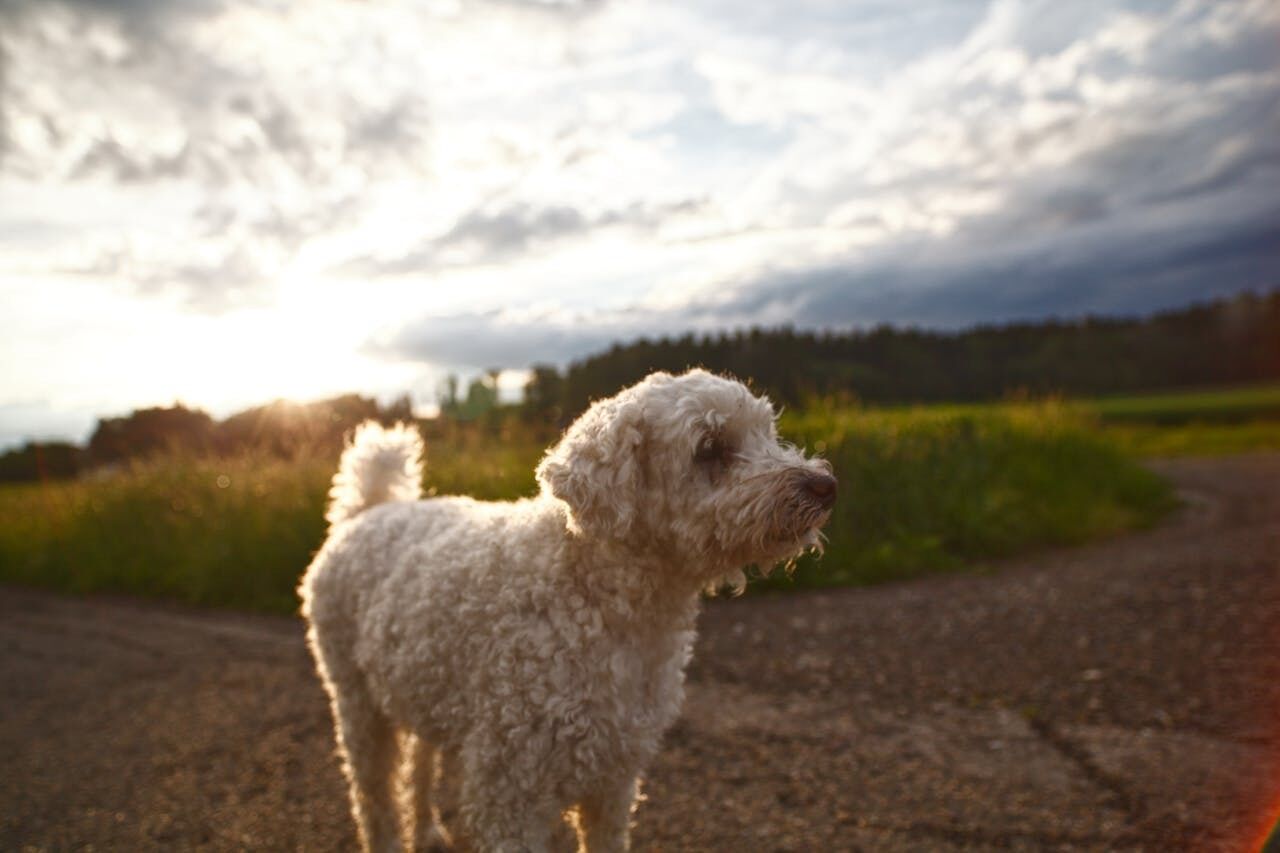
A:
630	585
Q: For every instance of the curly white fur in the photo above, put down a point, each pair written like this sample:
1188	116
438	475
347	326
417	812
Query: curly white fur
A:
379	465
537	648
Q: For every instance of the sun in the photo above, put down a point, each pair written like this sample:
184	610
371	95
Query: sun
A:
306	344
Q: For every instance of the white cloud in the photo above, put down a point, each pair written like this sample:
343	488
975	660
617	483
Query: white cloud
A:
535	179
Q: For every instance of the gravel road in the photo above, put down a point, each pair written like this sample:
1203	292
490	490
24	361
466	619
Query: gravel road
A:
1123	695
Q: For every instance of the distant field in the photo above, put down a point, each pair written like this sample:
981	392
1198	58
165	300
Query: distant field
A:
921	490
1194	439
1227	405
1192	423
1195	422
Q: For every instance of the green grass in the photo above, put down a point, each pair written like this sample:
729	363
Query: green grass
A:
226	532
942	488
921	490
1217	405
1196	422
233	532
1194	439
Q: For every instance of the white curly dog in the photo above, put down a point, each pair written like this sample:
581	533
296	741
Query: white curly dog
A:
538	647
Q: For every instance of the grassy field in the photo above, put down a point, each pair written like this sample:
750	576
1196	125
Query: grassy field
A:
234	532
1194	439
941	488
1255	403
921	490
226	532
1195	422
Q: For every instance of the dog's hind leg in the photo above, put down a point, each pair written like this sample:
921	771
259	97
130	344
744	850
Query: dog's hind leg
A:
428	835
603	818
367	743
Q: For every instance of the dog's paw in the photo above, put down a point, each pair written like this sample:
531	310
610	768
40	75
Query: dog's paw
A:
434	840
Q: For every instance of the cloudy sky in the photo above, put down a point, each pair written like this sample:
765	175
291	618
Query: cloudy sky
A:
226	202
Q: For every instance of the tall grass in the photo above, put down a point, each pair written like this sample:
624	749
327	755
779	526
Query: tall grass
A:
922	490
935	489
234	532
228	532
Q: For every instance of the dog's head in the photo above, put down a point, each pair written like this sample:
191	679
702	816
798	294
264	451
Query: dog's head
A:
690	467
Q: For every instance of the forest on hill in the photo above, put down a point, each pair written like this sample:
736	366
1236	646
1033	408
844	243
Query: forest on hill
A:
1227	342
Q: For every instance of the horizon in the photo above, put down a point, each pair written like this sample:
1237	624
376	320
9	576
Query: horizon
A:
235	203
511	383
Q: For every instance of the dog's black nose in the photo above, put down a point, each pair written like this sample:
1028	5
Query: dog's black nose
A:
822	488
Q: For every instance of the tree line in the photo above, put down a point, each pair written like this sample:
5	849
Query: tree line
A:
282	429
1230	341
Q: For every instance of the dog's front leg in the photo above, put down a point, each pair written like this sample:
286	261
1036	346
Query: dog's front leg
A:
504	819
505	805
604	816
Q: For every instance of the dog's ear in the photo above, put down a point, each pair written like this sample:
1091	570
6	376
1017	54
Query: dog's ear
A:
596	468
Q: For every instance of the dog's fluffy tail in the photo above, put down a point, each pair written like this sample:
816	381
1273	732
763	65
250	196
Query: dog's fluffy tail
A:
379	464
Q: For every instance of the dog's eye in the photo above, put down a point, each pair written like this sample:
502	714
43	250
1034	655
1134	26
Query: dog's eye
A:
713	448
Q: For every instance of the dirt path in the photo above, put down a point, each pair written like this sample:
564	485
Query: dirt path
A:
1120	696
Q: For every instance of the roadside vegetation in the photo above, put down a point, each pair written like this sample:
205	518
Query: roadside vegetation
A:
941	488
233	531
922	490
169	501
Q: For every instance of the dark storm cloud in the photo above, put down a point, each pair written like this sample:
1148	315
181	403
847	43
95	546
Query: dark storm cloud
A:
947	286
486	339
1115	277
1064	252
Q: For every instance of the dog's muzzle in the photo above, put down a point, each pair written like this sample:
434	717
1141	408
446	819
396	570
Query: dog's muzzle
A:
820	488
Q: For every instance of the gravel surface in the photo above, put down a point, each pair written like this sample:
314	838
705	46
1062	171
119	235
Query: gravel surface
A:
1118	696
